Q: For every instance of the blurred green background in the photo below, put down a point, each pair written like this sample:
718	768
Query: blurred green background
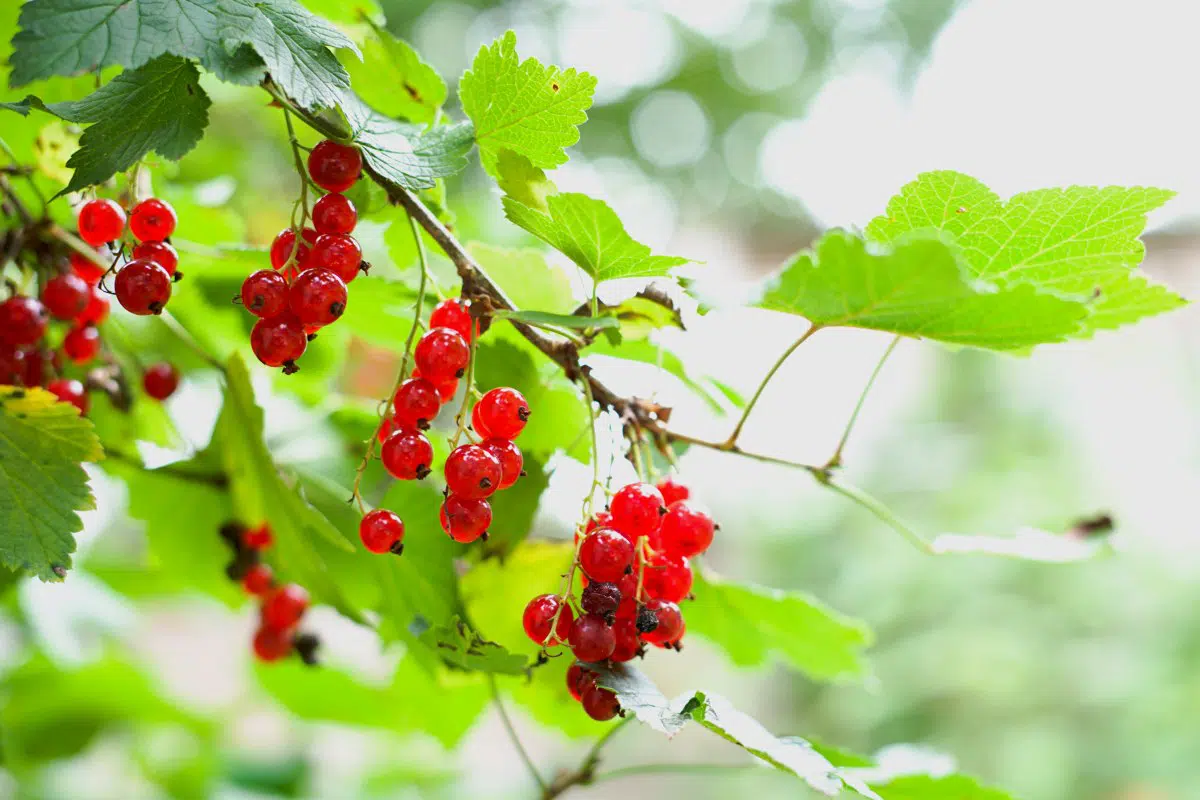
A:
732	132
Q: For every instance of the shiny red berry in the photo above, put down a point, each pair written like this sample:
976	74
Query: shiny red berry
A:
152	220
279	341
670	623
265	293
626	643
38	364
334	213
579	679
510	458
65	296
453	313
160	253
160	380
381	530
500	413
143	287
591	638
628	586
601	519
81	344
87	269
258	580
272	644
600	704
96	310
465	519
285	606
446	388
442	355
416	404
101	221
285	242
672	490
69	392
407	455
22	321
337	253
472	472
12	365
317	297
668	578
258	538
334	167
386	428
687	529
605	555
636	510
539	616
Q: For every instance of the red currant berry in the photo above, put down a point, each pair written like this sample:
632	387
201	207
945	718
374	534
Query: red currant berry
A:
279	341
442	355
334	167
69	392
272	644
579	679
81	344
407	455
386	428
258	580
539	616
259	538
628	586
317	297
637	510
465	519
627	644
285	242
502	413
338	253
452	313
101	221
472	472
265	293
87	269
416	404
285	606
22	321
600	704
160	380
381	530
96	310
334	213
510	458
143	287
12	365
605	555
672	490
65	296
36	363
152	220
446	389
591	639
601	599
670	623
687	530
668	578
160	253
601	519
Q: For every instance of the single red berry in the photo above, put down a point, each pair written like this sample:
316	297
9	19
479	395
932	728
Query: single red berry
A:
672	490
12	365
160	380
600	704
628	586
465	519
265	293
502	413
601	598
96	310
579	679
605	555
160	253
386	428
284	607
381	530
317	297
453	313
668	578
87	269
687	529
338	253
334	213
446	389
152	220
279	341
407	455
591	639
334	167
539	616
272	644
670	623
442	355
473	472
637	510
601	519
416	404
81	344
627	644
259	538
101	221
38	364
22	321
69	392
143	287
258	579
285	242
65	296
510	458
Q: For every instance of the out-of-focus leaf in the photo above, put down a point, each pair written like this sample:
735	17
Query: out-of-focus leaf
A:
525	277
558	320
457	644
514	508
394	79
950	787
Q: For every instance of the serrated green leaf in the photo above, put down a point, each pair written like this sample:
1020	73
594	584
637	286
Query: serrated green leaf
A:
525	277
589	233
639	696
750	623
524	106
570	321
159	106
457	644
1078	241
406	153
916	287
392	78
648	310
950	787
43	444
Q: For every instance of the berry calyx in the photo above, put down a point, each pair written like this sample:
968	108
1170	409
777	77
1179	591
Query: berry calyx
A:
259	538
579	679
381	530
143	287
284	607
334	213
472	472
591	639
338	253
152	220
668	578
22	321
65	296
96	310
265	293
539	616
279	341
258	580
501	413
442	355
406	455
602	599
81	344
160	253
600	704
87	269
605	555
627	644
285	242
334	167
416	404
453	313
672	490
670	623
160	380
465	519
510	458
101	221
69	392
272	644
636	510
317	297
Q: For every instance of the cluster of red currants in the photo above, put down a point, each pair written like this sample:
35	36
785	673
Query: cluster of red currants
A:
143	283
306	289
281	607
634	558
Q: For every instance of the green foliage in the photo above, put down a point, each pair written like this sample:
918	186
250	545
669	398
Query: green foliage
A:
457	644
571	321
387	63
525	277
42	446
405	153
950	787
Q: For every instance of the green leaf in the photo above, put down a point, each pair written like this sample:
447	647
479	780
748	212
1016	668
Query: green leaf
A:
522	181
404	153
1078	241
751	623
589	233
916	287
379	311
463	647
558	320
525	277
43	444
648	310
524	106
159	107
392	78
950	787
639	696
514	509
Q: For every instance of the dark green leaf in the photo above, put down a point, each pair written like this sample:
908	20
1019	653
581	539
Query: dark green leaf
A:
457	644
558	320
406	153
